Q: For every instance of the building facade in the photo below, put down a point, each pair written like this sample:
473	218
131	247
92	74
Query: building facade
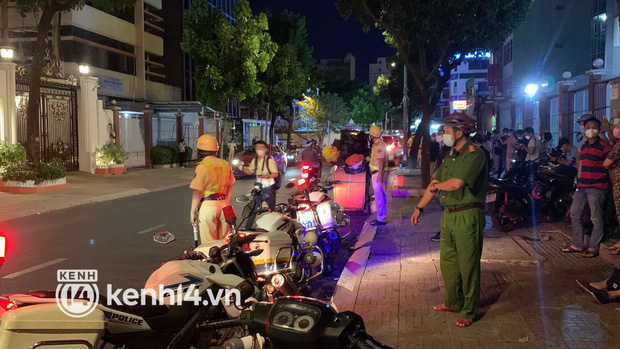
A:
562	62
339	68
375	70
124	49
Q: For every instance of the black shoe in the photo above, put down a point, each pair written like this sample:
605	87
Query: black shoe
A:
600	295
376	223
436	238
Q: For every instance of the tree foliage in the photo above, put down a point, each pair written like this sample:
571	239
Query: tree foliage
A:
228	56
328	112
291	71
367	108
48	9
429	33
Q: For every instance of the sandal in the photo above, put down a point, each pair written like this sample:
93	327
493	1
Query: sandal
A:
614	247
590	254
463	322
443	309
571	249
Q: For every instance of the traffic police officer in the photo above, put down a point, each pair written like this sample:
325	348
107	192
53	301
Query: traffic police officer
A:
461	182
378	165
212	187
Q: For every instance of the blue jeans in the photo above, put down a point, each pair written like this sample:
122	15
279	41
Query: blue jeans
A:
594	198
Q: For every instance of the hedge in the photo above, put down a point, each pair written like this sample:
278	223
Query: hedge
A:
161	155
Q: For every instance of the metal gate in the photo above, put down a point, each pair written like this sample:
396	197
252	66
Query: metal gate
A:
58	132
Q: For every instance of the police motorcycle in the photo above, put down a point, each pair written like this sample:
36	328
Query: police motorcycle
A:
181	294
522	196
320	216
296	322
289	258
311	163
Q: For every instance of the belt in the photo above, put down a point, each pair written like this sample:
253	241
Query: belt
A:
216	197
463	207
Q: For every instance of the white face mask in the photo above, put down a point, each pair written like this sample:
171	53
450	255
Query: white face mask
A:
439	139
447	140
592	133
528	137
260	152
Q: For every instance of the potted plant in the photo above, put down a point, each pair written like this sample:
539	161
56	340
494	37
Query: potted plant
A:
20	176
111	159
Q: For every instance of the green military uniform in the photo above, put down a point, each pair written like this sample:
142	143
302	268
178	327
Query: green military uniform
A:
462	231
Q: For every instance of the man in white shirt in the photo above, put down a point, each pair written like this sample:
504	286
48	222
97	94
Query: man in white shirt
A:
533	145
266	171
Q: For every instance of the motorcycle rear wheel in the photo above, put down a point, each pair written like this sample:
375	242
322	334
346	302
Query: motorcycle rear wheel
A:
500	221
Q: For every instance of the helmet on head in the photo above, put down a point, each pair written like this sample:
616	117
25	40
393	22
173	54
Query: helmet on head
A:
585	117
375	131
207	143
461	121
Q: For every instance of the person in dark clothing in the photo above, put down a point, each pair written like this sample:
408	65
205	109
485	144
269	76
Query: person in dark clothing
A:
478	141
521	153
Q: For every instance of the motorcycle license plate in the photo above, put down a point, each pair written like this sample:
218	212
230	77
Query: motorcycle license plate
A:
304	175
491	197
306	218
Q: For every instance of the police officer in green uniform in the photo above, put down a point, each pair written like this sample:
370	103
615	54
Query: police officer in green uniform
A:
461	184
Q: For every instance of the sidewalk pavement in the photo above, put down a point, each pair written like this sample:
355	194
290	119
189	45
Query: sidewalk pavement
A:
529	295
89	188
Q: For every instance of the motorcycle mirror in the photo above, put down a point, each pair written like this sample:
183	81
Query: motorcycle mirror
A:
242	199
164	237
248	209
290	185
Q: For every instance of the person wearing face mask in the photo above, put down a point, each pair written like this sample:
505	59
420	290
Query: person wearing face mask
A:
378	167
531	146
461	184
267	174
591	190
212	187
612	163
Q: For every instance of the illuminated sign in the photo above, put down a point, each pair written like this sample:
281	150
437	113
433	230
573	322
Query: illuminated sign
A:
459	105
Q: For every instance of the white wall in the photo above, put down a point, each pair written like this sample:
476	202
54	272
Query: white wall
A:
132	140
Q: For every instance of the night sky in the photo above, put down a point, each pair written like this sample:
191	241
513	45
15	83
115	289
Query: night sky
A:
332	36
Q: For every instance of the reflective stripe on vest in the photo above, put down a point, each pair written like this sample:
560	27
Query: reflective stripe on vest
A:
212	172
372	165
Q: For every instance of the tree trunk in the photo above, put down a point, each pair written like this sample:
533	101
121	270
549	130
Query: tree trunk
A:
291	122
272	126
423	130
33	145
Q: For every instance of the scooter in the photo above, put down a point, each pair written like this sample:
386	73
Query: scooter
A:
515	199
297	322
167	319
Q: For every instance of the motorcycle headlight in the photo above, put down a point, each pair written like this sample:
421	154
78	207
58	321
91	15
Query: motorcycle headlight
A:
310	239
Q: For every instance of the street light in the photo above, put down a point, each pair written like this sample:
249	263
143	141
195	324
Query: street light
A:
393	64
84	69
6	52
531	90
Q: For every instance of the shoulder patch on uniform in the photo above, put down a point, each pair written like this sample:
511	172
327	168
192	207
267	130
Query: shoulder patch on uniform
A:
472	148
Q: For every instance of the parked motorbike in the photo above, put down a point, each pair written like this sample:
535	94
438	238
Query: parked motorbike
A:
321	215
297	322
289	258
520	197
149	325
